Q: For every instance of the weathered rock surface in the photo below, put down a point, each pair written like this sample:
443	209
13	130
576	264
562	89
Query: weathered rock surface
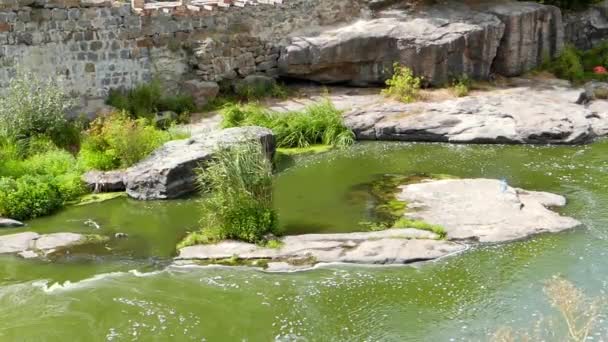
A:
169	171
437	43
593	91
533	32
547	115
30	244
485	210
9	223
393	246
589	28
201	91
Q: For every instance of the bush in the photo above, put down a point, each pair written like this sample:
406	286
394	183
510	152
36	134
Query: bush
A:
240	203
568	65
258	90
147	99
403	85
28	197
461	86
117	141
317	124
35	107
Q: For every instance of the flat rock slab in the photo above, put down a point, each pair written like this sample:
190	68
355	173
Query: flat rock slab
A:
485	210
522	115
392	246
9	223
169	172
32	245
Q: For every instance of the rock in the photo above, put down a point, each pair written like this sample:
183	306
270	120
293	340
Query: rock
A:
31	245
485	210
201	91
165	119
517	115
9	223
169	171
254	84
392	246
121	235
589	28
593	91
109	181
438	43
533	33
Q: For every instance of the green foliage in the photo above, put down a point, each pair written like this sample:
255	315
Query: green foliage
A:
422	225
577	66
319	123
239	205
403	85
147	99
258	90
274	244
28	197
117	141
461	85
36	107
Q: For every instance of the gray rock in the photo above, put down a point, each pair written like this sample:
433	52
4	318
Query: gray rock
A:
589	28
533	33
201	91
169	172
9	223
593	91
392	246
485	210
109	181
31	245
517	115
438	43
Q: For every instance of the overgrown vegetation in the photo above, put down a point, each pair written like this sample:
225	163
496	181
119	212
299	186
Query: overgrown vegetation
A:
461	85
239	201
578	315
258	90
578	66
145	100
118	141
403	85
319	123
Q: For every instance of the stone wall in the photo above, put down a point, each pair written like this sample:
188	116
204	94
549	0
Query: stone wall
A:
92	46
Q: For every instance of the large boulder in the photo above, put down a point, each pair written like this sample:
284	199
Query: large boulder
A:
201	91
439	43
533	33
485	210
169	172
589	28
33	245
521	115
594	90
9	223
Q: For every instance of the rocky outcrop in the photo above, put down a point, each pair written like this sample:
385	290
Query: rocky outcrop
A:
9	223
33	245
533	33
485	210
169	172
393	246
589	28
593	91
440	43
519	115
202	92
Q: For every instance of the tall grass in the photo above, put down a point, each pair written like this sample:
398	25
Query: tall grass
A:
320	123
239	205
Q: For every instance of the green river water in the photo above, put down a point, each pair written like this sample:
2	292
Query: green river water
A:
125	291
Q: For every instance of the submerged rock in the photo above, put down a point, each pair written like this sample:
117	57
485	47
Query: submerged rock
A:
485	210
392	246
10	223
169	172
522	115
31	245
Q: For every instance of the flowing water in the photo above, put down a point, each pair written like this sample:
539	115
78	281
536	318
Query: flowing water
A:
126	290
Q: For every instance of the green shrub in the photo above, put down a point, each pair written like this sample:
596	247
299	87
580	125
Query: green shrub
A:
239	205
568	65
461	85
403	85
117	141
36	107
259	90
317	124
147	99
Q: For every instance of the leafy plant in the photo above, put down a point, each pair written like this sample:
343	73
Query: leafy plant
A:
461	85
258	90
239	205
403	85
422	225
319	123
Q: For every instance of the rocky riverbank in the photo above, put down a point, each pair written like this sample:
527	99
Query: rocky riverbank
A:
471	211
33	245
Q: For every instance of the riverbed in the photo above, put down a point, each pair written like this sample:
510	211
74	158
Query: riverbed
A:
126	290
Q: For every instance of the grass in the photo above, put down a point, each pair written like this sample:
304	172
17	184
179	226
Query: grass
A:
422	225
319	123
403	85
239	203
312	149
